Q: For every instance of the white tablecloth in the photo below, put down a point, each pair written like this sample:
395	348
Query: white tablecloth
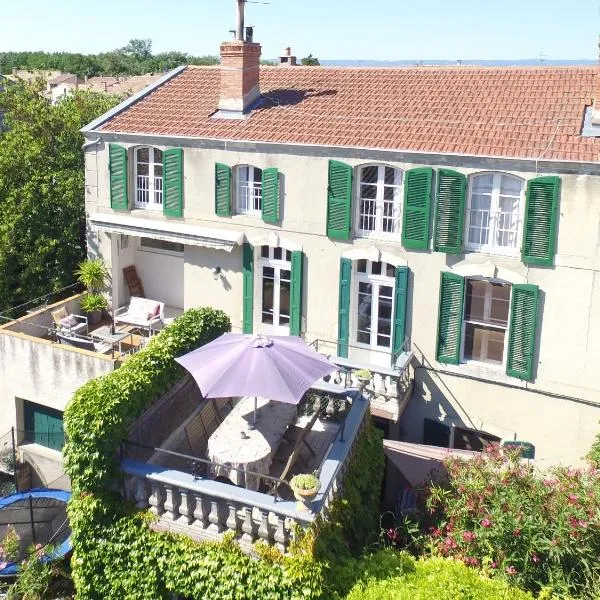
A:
234	445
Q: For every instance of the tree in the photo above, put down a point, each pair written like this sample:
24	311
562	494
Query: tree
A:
311	61
42	218
139	49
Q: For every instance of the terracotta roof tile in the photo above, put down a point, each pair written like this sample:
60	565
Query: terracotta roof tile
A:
518	112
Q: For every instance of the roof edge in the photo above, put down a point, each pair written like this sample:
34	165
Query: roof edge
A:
131	100
254	144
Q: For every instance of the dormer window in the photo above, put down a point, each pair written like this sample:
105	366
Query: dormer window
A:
149	178
495	214
249	190
379	202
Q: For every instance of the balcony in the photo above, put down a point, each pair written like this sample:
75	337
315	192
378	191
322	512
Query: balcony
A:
167	468
97	339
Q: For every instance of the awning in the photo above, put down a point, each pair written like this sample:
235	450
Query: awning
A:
181	233
417	461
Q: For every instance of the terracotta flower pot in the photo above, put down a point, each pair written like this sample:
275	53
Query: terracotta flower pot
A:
305	497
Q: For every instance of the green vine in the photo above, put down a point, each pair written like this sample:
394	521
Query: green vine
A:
117	555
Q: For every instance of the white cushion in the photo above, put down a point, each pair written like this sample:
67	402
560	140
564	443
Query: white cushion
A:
137	308
69	321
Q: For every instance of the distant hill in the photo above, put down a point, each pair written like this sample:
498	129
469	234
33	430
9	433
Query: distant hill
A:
527	62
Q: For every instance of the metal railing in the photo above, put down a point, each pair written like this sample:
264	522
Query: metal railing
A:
200	467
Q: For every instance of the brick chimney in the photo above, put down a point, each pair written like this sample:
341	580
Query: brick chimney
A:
287	59
240	62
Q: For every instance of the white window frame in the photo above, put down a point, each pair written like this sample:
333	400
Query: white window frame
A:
486	310
492	247
376	282
152	187
378	232
277	265
251	193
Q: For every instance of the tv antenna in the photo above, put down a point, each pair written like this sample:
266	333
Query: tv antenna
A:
239	27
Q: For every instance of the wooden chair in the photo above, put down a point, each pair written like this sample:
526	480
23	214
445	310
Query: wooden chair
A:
133	282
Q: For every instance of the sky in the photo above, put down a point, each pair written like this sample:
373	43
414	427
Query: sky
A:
329	29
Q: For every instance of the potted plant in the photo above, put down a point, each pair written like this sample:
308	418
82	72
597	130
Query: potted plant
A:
305	487
363	375
92	273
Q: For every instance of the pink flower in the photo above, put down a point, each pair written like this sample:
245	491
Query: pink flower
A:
436	532
511	570
392	534
471	561
494	565
485	523
535	558
573	498
3	565
468	536
548	482
517	532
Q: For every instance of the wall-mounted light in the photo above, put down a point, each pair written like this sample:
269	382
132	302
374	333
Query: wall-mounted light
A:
216	273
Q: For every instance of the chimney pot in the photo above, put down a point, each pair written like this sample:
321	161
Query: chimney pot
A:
288	51
286	59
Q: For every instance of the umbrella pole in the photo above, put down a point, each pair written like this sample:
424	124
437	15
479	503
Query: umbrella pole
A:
253	424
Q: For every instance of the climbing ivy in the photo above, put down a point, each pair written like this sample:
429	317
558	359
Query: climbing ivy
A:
117	555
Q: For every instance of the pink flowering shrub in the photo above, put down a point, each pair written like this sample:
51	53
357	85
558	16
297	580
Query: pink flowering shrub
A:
498	513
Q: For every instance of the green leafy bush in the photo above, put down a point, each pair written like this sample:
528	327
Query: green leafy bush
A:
535	530
426	579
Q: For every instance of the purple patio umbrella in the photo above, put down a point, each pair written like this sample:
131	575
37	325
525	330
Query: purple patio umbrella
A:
279	368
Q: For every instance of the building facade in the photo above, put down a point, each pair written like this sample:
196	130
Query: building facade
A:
450	211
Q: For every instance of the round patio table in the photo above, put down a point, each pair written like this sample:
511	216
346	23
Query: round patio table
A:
234	447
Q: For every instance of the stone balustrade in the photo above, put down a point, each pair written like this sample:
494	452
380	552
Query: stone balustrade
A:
204	509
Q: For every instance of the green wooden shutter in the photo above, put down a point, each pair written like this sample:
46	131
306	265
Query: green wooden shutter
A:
173	178
339	201
450	212
43	425
344	307
248	285
117	167
452	290
523	325
417	203
222	190
270	195
296	293
541	212
399	312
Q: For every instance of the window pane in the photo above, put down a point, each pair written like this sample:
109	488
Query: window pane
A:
158	172
384	316
284	298
390	270
475	300
257	176
277	253
288	256
510	186
368	191
158	156
484	344
376	268
499	305
243	174
361	265
483	184
367	215
480	202
143	169
369	174
392	176
264	251
142	155
268	284
364	312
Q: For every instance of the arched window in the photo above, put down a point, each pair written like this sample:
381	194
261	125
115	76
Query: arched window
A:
495	213
379	202
148	178
249	190
374	304
275	273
